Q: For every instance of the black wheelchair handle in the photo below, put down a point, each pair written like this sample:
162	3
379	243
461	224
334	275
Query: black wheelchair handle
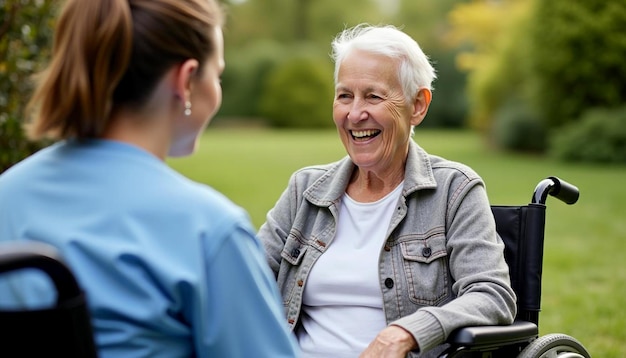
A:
44	257
558	188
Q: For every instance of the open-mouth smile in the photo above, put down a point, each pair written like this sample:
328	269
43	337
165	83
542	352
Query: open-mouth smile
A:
363	135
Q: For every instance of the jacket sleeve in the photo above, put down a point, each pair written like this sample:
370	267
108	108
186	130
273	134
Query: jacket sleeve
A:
273	233
478	269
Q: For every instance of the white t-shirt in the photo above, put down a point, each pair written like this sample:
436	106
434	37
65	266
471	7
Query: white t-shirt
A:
342	308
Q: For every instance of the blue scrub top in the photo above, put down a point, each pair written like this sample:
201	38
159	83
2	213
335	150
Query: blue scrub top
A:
171	267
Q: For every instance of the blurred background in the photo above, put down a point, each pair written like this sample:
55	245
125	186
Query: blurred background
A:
526	89
546	77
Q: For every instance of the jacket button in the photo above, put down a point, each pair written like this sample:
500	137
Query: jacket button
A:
387	248
388	283
426	252
295	253
300	283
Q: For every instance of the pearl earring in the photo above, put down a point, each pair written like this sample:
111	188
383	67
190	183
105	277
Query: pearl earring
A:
187	108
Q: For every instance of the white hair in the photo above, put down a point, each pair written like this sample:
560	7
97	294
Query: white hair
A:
415	70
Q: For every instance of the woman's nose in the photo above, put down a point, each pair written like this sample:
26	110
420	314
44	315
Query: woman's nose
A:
357	112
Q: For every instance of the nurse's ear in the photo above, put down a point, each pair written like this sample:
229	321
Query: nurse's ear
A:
183	75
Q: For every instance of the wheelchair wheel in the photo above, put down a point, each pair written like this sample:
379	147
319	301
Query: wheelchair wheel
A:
555	345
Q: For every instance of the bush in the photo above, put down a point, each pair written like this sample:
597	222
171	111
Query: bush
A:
517	128
25	37
299	94
577	58
449	106
246	69
14	147
599	136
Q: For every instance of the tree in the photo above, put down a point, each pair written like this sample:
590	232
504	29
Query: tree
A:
577	57
493	54
25	37
289	21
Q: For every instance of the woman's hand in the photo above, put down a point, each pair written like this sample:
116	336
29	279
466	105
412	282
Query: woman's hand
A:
391	342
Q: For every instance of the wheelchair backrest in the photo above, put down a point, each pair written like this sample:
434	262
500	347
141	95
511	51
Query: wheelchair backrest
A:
522	230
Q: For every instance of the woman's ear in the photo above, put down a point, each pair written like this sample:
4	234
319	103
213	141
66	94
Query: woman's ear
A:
420	105
183	79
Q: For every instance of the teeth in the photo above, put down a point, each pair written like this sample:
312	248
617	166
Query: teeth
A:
364	133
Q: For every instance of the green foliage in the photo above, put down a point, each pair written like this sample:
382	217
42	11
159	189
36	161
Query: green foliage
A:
502	81
577	57
559	58
423	20
242	80
599	136
299	94
449	106
517	128
290	23
25	37
494	52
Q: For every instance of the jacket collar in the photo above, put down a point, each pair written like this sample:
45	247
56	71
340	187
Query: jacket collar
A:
331	186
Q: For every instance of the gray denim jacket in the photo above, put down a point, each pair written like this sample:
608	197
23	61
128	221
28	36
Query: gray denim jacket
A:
442	266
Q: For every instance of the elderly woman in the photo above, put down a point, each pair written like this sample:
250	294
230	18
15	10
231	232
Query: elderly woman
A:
385	252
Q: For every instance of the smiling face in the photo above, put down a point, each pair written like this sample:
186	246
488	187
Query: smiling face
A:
371	113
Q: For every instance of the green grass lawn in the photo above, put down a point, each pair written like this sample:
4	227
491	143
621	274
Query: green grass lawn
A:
584	287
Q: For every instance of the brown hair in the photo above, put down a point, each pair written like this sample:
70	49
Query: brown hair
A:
109	53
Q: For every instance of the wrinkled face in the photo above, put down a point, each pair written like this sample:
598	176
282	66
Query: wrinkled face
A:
206	99
370	111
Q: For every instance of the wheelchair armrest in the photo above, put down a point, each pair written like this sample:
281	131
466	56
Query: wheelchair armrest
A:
494	336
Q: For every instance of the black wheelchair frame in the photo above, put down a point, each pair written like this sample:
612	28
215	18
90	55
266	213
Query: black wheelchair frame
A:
63	330
522	229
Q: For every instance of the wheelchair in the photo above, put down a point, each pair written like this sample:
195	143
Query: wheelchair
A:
522	230
63	330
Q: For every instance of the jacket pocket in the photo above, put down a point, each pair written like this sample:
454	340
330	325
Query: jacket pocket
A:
426	270
292	256
293	251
